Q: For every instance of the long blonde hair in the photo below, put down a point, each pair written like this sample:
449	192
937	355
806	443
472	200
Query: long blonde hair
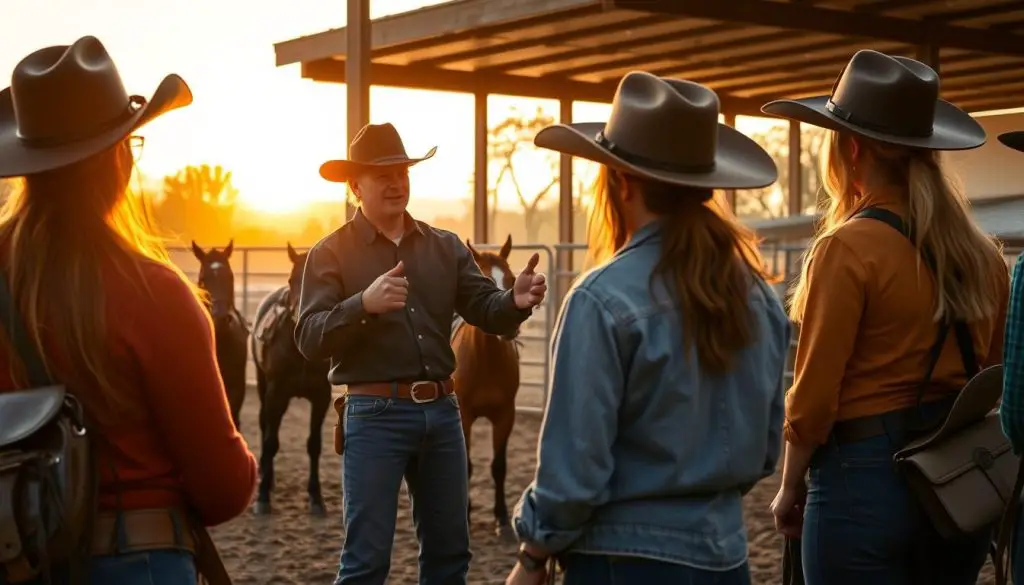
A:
708	260
60	230
937	215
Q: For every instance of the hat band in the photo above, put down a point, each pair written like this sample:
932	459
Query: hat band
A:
846	116
135	103
649	163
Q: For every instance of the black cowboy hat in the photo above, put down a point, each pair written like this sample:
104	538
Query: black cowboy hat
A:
67	103
1014	140
666	130
376	145
890	99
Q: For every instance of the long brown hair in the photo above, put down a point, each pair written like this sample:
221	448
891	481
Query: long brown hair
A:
707	257
937	213
60	230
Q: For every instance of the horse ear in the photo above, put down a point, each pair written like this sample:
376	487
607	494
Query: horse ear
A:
506	248
198	252
230	248
292	254
476	254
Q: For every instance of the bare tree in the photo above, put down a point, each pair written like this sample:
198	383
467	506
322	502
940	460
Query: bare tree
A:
506	141
762	202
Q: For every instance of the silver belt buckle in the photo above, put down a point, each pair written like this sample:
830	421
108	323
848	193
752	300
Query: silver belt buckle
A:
415	385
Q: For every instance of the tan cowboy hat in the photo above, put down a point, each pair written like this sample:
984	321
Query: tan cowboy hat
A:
666	130
67	103
890	99
376	145
1014	140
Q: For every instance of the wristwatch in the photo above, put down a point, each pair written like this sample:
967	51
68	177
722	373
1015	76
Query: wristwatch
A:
529	562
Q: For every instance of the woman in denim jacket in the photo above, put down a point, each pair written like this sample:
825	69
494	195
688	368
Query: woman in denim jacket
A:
666	398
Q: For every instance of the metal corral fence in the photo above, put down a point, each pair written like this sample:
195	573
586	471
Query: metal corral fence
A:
262	270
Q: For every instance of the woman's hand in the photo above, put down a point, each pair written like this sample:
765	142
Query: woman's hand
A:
788	510
520	576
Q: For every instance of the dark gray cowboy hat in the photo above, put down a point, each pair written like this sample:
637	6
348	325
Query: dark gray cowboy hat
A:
1014	140
890	99
376	145
67	103
666	130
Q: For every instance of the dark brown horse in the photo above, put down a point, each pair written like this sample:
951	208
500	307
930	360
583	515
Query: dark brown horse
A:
282	374
230	330
487	380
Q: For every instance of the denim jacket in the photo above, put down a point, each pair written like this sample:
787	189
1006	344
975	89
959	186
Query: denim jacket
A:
641	453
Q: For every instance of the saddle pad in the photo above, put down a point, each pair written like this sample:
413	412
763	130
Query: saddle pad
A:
269	322
457	323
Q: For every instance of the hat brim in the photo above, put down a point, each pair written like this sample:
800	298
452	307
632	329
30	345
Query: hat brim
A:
18	159
1014	140
953	128
740	163
340	171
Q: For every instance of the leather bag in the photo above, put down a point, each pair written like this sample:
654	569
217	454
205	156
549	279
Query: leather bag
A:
48	481
964	474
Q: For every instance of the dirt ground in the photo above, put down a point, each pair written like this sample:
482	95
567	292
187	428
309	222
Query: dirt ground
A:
291	548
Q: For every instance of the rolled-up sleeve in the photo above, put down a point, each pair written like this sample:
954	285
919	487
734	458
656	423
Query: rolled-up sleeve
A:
1011	408
328	321
828	330
574	462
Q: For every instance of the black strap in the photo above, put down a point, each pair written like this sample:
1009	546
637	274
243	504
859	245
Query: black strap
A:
38	376
963	334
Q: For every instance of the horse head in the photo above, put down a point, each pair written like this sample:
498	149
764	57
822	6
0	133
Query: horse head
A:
295	278
217	279
495	266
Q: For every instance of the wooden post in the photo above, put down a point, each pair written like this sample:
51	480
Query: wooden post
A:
481	231
730	194
929	55
564	258
357	76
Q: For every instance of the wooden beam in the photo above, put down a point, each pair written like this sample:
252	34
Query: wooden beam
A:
839	22
358	89
436	79
436	25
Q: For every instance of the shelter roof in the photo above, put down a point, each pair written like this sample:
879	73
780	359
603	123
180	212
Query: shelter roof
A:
749	51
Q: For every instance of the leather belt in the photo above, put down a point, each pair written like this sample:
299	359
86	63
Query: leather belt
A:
146	529
904	421
420	392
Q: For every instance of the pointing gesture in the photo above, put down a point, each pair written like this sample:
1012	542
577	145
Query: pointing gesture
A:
387	293
530	287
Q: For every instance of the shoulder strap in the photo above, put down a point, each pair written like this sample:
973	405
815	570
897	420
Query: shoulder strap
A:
15	328
962	332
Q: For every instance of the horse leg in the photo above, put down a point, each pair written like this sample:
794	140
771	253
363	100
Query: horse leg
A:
320	402
500	432
274	408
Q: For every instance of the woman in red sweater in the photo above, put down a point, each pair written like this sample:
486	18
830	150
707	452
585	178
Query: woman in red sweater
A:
113	318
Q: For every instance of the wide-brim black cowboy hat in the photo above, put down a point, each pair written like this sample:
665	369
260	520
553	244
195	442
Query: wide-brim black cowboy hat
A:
874	87
666	130
1014	140
40	85
374	146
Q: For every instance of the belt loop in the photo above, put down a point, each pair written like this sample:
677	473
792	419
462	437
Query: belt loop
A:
179	539
120	533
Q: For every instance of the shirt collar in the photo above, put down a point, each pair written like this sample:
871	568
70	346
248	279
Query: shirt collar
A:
368	231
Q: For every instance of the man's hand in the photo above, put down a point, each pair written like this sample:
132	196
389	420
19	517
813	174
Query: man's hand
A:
530	287
387	293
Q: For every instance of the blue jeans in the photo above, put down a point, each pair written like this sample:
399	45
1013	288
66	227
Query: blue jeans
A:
387	439
1016	549
155	567
608	570
862	525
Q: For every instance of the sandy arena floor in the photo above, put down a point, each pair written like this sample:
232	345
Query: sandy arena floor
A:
292	548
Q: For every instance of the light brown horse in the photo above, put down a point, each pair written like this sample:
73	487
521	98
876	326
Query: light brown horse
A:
487	380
